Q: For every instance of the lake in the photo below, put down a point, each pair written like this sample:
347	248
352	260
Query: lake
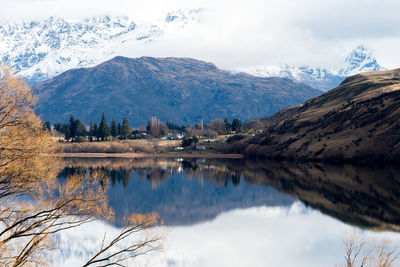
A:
242	213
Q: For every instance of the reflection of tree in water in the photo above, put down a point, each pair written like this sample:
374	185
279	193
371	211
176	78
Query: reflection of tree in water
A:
215	174
157	175
120	176
362	195
69	171
189	166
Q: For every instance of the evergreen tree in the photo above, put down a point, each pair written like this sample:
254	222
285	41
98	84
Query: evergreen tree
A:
72	128
103	132
236	124
58	127
119	129
174	126
80	129
113	128
67	133
227	124
47	126
65	130
91	131
95	130
126	130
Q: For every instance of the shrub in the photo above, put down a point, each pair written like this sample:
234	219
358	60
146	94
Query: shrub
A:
187	141
234	138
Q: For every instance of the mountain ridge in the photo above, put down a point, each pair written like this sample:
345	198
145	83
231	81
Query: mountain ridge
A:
40	50
182	90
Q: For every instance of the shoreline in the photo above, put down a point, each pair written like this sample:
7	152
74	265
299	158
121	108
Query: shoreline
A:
144	155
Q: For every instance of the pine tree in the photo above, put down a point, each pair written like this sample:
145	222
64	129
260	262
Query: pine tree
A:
65	131
47	126
103	132
95	130
67	134
227	124
236	124
126	130
113	128
91	131
72	128
80	128
119	129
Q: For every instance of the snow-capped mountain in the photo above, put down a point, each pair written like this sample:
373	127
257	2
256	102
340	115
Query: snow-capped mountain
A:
356	61
40	50
359	60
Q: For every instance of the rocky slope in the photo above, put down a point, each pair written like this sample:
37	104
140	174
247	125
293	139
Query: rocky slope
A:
359	120
182	90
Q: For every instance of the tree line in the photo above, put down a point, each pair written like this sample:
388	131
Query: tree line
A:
76	131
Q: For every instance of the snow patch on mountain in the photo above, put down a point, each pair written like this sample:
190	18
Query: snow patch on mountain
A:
356	61
39	50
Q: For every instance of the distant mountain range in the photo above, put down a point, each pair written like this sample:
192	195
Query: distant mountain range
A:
357	61
359	120
181	90
39	50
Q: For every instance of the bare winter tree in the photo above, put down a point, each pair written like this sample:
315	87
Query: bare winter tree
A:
361	251
216	125
29	167
156	128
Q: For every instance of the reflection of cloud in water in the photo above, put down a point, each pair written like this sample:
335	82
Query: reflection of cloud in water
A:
261	236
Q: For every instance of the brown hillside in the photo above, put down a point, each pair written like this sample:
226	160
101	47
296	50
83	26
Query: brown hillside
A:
359	120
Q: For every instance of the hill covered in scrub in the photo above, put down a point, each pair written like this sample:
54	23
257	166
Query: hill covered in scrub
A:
359	120
181	90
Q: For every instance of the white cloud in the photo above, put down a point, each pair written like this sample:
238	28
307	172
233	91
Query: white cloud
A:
248	33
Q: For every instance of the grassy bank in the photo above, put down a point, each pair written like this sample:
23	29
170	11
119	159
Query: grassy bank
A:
125	146
135	149
195	154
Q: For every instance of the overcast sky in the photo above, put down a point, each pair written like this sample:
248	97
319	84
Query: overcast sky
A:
248	33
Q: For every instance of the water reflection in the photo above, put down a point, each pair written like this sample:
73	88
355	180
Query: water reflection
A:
191	191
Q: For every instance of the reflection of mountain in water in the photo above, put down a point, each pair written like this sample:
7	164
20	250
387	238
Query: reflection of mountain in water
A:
191	191
366	196
184	193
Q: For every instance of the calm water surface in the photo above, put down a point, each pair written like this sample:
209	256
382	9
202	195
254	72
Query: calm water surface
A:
243	213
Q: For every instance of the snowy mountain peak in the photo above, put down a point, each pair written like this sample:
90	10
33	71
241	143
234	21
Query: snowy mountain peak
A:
39	50
184	14
359	60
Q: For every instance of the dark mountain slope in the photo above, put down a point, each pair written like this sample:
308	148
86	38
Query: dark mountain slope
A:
359	120
182	90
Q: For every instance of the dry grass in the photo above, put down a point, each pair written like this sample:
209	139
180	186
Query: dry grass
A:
126	146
